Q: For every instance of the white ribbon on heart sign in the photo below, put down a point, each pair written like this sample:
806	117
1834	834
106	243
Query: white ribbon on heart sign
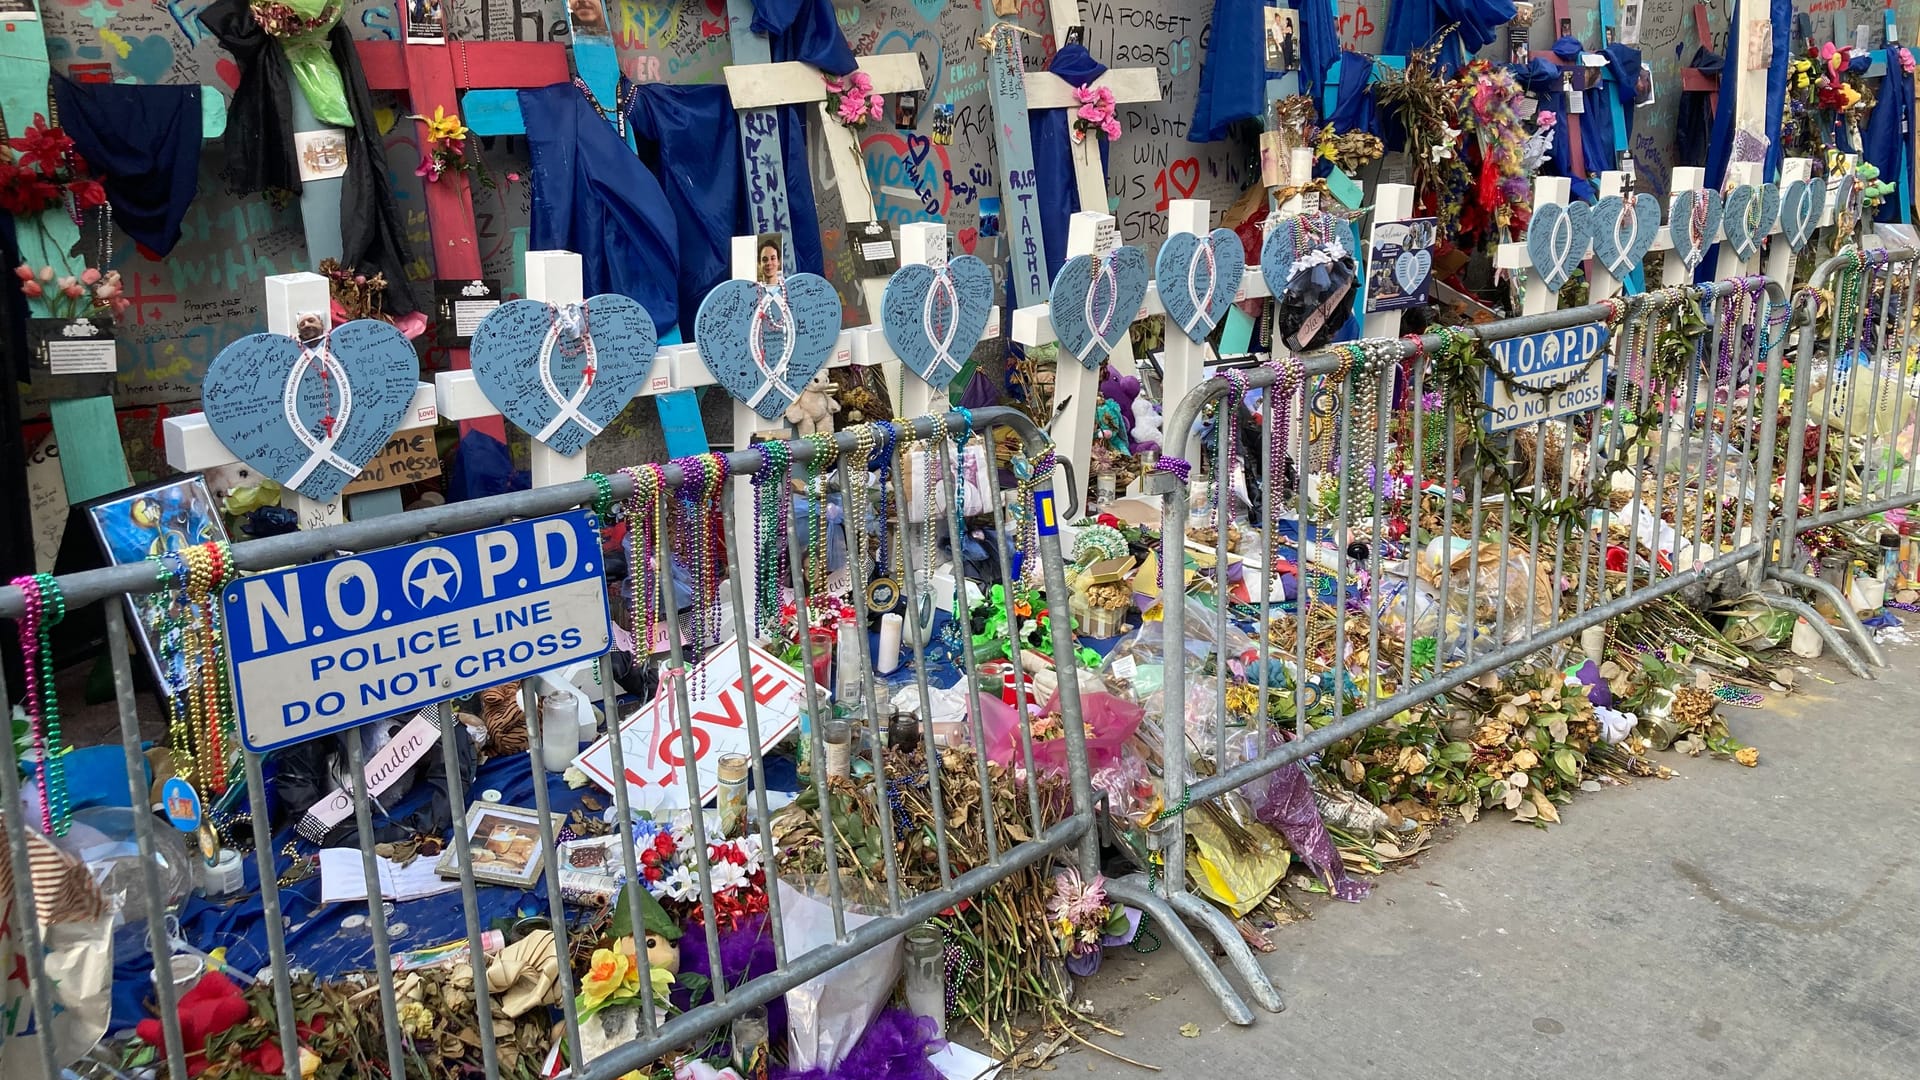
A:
570	319
772	298
319	451
942	286
1202	302
1102	268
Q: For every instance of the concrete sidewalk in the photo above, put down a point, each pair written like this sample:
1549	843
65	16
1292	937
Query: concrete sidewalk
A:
1729	922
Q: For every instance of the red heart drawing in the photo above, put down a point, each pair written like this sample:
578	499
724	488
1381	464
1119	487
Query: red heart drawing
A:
718	8
969	238
229	73
1191	167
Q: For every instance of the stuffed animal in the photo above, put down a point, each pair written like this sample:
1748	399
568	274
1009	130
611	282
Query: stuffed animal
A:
812	412
1146	425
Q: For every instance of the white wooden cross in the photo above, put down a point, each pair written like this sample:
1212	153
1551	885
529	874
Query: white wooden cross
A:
756	87
922	243
1183	363
191	445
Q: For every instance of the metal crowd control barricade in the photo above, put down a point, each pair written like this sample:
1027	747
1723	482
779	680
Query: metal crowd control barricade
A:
1856	415
1715	433
1068	835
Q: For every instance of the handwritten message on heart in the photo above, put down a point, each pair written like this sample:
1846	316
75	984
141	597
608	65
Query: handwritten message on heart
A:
1801	204
562	373
1694	224
933	317
763	342
1094	301
1557	239
1198	279
311	417
1747	216
1623	231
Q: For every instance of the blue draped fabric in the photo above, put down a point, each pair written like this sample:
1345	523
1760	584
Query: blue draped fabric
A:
593	196
1413	23
1319	46
1233	75
1694	125
1720	149
804	30
1887	145
689	136
1781	16
1624	66
144	144
1055	190
1353	108
1546	81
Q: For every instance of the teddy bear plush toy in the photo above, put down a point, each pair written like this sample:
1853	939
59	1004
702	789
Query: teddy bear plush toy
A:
812	412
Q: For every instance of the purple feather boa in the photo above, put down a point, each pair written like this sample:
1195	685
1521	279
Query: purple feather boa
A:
894	1047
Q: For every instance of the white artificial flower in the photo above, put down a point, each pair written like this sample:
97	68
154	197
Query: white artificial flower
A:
728	876
681	884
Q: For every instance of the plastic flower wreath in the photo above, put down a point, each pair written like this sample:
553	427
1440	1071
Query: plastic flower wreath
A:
1096	112
853	100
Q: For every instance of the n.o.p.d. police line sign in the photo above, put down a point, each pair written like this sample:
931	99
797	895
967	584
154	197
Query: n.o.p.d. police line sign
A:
323	647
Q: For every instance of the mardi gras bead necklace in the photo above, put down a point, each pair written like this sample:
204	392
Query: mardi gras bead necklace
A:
1287	374
700	537
1228	429
1028	476
883	589
824	452
772	513
931	447
856	499
45	607
644	520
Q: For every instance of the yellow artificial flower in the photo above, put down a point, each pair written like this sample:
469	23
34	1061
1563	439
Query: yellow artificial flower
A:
662	983
442	128
606	976
630	985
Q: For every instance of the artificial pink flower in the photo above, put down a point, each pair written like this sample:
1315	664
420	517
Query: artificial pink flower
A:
1111	127
428	168
90	276
23	272
46	275
878	106
1545	119
862	81
32	289
72	290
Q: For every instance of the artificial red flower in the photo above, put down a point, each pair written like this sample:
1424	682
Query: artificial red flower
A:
42	147
211	1007
87	194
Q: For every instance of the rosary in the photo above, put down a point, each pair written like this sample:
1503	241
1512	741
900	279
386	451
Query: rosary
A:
45	607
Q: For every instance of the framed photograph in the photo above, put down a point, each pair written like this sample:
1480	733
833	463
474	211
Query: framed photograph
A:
1283	39
588	18
156	519
505	841
425	23
906	110
1630	22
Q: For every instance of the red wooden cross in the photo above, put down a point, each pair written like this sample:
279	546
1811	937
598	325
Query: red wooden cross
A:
432	76
1693	79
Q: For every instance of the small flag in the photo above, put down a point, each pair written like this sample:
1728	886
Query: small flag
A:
1043	512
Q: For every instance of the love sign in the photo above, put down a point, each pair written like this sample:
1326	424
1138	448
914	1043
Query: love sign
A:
933	316
1095	301
654	752
763	342
1198	279
562	373
311	416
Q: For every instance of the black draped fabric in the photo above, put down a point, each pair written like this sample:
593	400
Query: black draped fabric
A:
144	141
259	139
372	234
260	154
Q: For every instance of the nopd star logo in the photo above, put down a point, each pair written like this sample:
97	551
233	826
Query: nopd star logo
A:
431	576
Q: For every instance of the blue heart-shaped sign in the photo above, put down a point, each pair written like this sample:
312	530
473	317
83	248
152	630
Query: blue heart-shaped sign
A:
561	374
1194	290
311	417
1747	216
1694	224
764	342
933	317
1557	240
1277	250
1095	301
1624	232
1800	205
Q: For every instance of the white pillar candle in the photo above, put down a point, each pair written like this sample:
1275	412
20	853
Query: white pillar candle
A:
891	625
